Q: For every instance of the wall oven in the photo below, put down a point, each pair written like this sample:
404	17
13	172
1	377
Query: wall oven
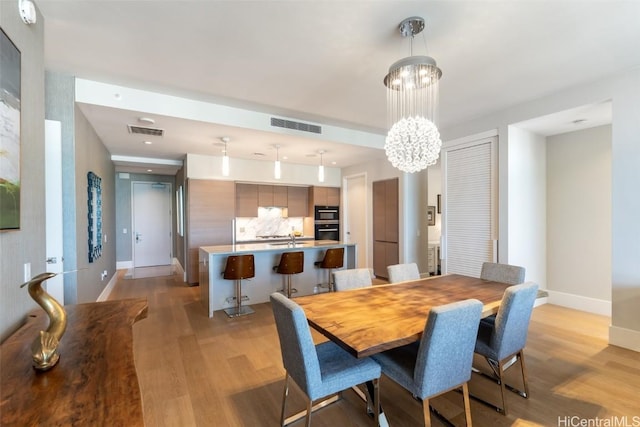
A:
327	213
327	231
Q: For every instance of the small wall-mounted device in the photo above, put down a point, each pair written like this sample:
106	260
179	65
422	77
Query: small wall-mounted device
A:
27	11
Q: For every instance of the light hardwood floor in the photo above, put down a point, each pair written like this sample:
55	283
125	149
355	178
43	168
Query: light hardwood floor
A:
196	371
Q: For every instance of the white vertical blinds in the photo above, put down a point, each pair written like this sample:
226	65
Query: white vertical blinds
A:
469	208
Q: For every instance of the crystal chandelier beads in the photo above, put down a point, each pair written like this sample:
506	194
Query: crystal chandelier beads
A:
413	144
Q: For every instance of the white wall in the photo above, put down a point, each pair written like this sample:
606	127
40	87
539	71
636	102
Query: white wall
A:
527	228
434	182
579	219
199	166
624	91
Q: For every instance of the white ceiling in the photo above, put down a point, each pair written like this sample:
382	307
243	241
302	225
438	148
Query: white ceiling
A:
324	61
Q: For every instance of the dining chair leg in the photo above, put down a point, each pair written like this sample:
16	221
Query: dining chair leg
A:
376	401
426	411
467	404
307	422
284	398
524	375
502	387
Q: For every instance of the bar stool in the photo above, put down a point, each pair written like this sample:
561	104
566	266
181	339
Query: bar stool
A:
239	267
333	258
290	263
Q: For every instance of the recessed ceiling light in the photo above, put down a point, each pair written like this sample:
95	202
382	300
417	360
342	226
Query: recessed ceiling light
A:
149	170
148	142
147	120
333	163
258	154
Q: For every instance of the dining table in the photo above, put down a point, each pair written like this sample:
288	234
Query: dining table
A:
373	319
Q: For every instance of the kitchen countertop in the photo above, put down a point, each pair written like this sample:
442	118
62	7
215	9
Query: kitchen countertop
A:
272	239
271	247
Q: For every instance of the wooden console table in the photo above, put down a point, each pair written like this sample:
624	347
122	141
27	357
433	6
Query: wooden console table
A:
95	381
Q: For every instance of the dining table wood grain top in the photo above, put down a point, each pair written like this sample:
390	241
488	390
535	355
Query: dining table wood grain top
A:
369	320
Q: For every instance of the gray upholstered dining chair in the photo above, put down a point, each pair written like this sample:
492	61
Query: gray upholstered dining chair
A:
502	343
442	360
505	273
353	278
401	272
319	370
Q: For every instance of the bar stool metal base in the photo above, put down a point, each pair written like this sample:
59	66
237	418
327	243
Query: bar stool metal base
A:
243	310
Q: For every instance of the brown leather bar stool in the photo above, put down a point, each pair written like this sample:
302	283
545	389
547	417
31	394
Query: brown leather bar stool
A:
239	267
333	258
290	263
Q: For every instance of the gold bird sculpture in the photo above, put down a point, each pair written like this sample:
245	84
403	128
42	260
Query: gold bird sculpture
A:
44	348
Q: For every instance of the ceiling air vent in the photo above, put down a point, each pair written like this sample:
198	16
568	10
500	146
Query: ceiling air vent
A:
141	130
288	124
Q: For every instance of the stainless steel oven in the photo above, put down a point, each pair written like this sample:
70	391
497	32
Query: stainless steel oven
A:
327	213
327	231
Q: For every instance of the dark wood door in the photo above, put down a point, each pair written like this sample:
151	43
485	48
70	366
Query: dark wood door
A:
385	225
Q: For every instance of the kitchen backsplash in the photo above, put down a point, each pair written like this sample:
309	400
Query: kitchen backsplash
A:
269	222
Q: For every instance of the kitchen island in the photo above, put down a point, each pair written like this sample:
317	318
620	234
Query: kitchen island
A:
214	290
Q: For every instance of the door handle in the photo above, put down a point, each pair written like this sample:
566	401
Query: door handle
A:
138	238
52	260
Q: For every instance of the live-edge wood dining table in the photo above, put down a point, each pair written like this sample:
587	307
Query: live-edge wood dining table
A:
369	320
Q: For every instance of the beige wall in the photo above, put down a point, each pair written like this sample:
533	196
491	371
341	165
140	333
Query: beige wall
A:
579	217
27	244
92	156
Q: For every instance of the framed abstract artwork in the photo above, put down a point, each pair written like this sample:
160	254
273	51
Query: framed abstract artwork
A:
9	134
431	215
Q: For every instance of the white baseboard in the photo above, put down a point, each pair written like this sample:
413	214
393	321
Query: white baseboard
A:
578	302
625	338
107	289
124	265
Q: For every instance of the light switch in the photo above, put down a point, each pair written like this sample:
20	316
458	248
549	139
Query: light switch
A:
27	271
124	231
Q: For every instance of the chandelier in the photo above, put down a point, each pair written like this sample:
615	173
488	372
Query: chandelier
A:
413	141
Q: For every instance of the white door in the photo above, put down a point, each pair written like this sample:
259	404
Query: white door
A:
355	216
53	201
469	206
151	224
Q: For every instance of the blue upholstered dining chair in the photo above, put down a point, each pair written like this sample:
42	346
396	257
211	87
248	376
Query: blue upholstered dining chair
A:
505	273
353	278
502	343
319	370
442	360
401	272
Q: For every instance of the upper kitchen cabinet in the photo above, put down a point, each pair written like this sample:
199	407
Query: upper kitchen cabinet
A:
246	200
251	196
272	195
325	196
298	201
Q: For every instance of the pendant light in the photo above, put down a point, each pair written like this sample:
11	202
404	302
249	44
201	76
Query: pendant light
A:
277	171
413	141
321	167
225	157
